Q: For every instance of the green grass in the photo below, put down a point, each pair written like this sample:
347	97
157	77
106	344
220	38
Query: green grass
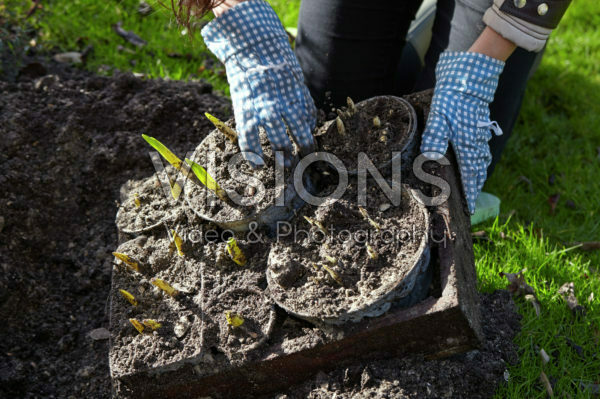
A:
558	133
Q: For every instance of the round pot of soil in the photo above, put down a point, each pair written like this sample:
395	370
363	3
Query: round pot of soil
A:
378	126
342	262
145	205
241	319
171	327
252	195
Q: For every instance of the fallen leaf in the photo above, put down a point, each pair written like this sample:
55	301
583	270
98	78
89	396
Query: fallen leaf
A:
517	285
536	304
567	291
544	356
546	383
480	235
129	35
524	179
70	57
99	334
553	201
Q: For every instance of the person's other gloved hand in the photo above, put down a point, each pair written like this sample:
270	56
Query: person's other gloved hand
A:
266	82
460	114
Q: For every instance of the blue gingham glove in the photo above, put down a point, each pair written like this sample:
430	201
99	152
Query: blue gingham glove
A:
265	79
460	114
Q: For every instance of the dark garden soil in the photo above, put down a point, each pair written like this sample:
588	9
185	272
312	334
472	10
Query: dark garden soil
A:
376	127
344	259
70	140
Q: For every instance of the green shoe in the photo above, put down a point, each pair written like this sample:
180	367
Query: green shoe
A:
487	206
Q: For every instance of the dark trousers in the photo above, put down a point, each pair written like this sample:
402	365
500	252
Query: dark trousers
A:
353	48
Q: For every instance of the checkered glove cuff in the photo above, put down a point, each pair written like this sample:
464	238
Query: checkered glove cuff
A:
266	82
465	85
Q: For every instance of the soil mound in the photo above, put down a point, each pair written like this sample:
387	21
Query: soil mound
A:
70	139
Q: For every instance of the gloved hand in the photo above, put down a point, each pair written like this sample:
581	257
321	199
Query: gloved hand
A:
460	114
266	82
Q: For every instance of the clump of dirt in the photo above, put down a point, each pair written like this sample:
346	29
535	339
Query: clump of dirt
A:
342	261
475	374
146	205
70	139
377	127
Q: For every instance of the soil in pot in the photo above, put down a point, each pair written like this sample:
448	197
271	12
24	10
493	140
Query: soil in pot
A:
237	290
340	264
180	336
377	127
194	326
146	205
250	191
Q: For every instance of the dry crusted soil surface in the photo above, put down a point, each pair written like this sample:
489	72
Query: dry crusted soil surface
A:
69	141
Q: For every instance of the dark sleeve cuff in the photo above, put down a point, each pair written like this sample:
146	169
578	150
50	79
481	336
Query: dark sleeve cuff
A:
544	13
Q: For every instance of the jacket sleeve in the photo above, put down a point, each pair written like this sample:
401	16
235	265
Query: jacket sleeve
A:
527	23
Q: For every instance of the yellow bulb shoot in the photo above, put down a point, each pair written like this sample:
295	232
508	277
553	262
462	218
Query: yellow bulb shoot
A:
178	242
138	326
127	295
235	252
152	324
127	260
166	287
317	224
164	151
233	319
222	127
